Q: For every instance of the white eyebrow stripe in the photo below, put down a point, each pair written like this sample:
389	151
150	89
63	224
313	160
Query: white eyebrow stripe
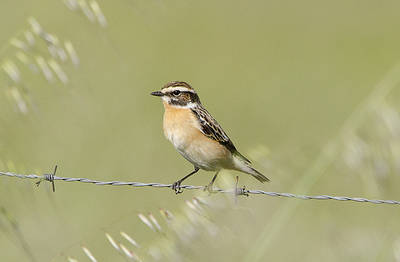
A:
179	88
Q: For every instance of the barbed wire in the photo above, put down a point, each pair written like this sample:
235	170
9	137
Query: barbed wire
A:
238	191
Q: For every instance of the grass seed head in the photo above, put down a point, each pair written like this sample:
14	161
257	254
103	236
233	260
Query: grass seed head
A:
130	254
112	242
129	239
146	221
98	13
89	254
154	221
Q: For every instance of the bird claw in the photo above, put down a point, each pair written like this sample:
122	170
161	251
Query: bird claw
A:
241	191
177	187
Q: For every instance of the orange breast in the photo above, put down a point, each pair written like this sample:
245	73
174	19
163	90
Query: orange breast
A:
182	128
178	120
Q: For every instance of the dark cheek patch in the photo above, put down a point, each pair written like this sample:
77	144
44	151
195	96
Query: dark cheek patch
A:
184	98
194	97
178	102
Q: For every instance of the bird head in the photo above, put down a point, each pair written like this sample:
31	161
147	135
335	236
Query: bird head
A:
178	94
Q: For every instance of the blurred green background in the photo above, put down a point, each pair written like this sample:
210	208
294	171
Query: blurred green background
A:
306	89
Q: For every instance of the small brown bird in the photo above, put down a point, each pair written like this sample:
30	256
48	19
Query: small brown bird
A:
197	135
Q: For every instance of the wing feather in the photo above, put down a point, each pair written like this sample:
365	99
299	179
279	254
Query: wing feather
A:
210	127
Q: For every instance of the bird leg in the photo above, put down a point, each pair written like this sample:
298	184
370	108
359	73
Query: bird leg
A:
177	185
209	187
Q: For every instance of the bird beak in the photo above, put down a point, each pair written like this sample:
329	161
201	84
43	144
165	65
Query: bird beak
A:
157	93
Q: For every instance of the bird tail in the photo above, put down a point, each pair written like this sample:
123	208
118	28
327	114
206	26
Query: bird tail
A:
257	175
243	164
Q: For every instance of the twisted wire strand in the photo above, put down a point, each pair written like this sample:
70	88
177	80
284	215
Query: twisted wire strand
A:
239	191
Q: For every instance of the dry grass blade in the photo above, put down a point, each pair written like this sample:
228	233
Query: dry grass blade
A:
18	233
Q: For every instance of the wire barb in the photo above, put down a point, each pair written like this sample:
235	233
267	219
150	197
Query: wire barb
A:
238	191
50	178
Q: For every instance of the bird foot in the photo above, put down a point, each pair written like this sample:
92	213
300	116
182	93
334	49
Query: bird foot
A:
177	187
240	191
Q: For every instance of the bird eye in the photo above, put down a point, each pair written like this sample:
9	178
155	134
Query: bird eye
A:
176	93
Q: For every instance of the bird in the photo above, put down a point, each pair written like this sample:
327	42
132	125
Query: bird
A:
197	136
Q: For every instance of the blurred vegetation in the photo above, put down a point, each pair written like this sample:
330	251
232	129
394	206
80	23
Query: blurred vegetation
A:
308	90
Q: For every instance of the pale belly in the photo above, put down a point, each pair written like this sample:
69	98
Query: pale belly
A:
181	130
204	154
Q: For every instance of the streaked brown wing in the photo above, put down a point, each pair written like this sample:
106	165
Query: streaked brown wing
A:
210	127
